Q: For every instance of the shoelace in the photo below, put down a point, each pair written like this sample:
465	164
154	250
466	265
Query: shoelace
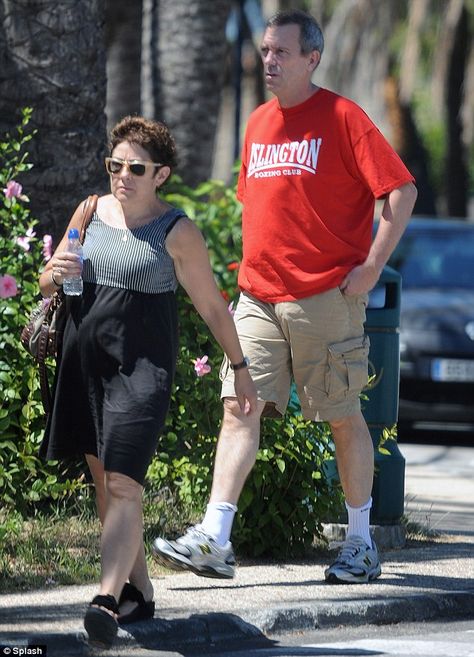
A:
199	533
349	549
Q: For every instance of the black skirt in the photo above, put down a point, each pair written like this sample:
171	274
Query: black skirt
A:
113	380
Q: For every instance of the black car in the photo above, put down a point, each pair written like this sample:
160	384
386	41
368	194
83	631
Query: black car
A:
435	258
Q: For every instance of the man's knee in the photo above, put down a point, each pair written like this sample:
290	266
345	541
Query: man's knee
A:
235	416
349	426
340	424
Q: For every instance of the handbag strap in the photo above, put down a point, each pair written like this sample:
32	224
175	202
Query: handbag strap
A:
90	205
43	371
44	386
88	208
43	343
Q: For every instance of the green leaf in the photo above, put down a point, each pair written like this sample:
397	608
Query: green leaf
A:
281	465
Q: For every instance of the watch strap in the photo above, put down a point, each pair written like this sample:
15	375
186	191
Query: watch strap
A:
241	365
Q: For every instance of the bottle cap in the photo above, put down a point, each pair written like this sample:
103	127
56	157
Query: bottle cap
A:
73	234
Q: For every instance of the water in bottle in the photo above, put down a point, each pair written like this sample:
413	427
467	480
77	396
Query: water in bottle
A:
73	286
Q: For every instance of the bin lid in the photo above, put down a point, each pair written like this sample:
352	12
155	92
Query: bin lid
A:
384	301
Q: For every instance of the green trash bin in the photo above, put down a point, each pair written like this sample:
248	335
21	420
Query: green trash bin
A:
381	408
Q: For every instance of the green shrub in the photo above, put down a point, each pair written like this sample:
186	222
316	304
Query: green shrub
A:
24	478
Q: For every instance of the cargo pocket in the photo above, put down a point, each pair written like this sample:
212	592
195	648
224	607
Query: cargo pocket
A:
347	367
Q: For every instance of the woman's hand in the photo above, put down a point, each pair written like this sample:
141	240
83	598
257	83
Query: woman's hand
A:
62	265
65	265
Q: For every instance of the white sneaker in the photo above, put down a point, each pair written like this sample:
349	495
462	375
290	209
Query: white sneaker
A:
356	563
198	552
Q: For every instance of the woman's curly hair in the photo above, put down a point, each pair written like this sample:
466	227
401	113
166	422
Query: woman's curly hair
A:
153	136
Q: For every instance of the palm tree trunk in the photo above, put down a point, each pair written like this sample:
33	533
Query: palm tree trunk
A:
123	23
355	61
52	58
456	158
190	85
417	13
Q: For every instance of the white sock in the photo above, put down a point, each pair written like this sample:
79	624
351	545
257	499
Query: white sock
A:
218	521
359	520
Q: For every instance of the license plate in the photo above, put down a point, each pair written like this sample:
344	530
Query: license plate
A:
444	369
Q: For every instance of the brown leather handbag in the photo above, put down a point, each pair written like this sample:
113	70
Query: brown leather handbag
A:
42	335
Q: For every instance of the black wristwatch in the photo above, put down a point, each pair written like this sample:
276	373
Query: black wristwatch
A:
240	366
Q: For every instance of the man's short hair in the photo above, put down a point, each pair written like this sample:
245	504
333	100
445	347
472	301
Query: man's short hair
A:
311	36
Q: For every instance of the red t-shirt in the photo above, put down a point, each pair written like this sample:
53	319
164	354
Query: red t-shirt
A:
309	179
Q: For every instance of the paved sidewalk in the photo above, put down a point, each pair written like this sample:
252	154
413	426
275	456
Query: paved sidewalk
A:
439	487
424	580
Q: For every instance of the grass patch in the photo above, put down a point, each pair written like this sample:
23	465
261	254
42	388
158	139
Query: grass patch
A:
419	530
416	531
46	551
62	546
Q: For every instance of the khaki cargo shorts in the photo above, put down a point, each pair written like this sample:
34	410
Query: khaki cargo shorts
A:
318	342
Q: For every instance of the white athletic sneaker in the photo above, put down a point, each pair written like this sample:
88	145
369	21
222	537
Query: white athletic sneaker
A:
356	563
198	552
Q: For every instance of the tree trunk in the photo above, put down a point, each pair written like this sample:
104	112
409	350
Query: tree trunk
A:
355	61
442	54
52	58
123	26
191	51
417	13
456	164
468	100
149	64
408	144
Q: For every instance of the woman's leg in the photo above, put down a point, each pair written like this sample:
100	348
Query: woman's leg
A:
138	575
122	532
98	476
122	536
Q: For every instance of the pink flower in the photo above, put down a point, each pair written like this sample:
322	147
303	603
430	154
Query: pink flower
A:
47	247
201	367
8	287
230	308
12	189
24	241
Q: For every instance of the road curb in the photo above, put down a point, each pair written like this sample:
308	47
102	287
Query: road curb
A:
387	537
363	612
214	629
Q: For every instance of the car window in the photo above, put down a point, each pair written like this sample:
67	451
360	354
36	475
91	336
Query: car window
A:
435	259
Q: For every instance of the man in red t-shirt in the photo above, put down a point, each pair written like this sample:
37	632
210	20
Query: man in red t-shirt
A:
313	165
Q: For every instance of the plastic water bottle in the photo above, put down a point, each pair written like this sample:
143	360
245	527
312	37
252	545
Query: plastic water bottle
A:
73	286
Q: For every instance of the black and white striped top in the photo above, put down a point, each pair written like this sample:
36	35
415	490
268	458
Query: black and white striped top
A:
133	259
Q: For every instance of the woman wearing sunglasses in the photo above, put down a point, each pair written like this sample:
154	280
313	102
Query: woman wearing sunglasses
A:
114	376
